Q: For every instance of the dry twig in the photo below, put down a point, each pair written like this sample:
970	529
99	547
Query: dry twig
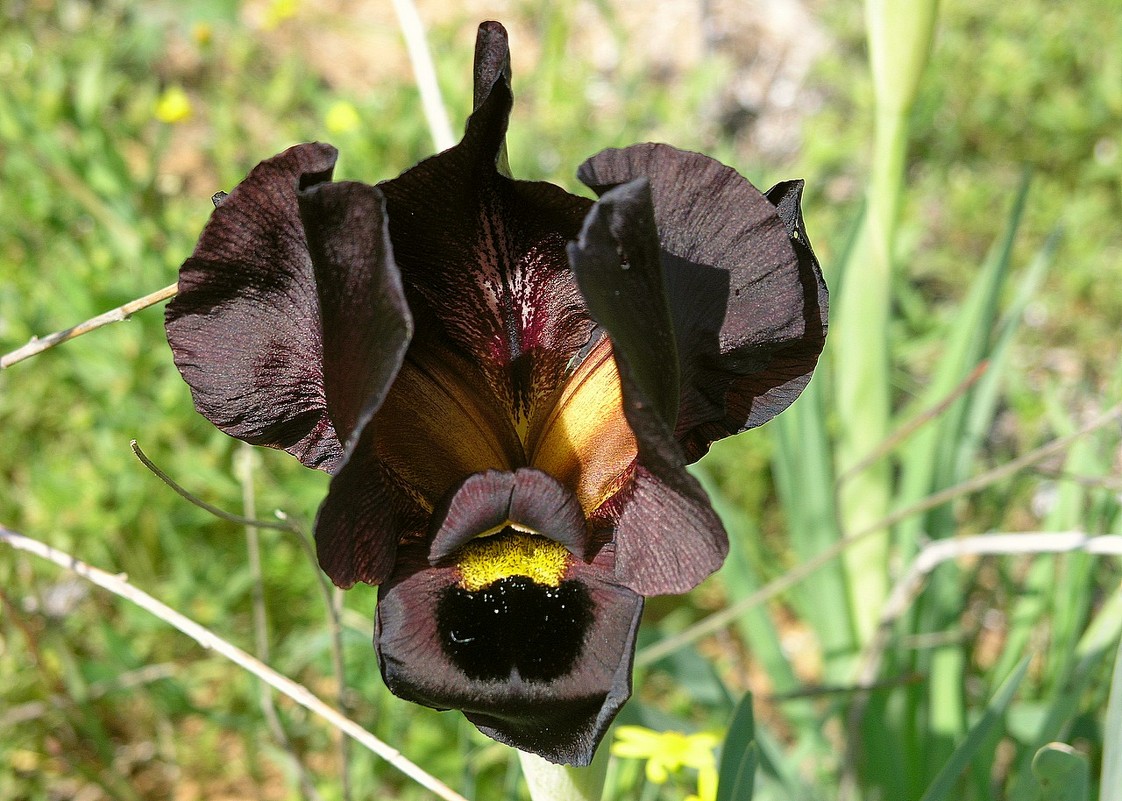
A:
39	344
118	585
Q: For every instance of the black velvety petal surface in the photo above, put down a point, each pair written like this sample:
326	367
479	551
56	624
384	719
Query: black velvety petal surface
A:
667	537
244	328
746	296
544	669
364	518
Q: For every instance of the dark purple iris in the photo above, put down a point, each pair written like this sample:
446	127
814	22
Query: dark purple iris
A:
506	383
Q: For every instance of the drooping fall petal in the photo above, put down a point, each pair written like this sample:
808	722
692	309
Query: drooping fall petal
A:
483	261
544	669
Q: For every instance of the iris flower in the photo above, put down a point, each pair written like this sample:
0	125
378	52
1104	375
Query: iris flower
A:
506	383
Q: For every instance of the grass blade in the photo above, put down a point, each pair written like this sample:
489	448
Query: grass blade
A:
943	786
1063	773
740	755
1112	736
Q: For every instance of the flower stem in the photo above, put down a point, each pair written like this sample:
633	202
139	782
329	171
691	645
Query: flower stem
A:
550	782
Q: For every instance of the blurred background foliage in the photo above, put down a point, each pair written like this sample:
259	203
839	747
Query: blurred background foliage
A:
118	120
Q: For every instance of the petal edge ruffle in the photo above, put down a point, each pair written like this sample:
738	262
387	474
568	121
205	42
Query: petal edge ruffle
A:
749	307
244	327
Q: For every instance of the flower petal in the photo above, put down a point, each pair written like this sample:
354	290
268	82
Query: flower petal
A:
435	428
482	258
586	442
748	304
668	538
489	501
364	518
244	328
366	323
548	686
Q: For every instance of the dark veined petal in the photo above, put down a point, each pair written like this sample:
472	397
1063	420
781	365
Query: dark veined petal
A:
667	538
528	499
364	518
244	328
482	258
365	321
543	669
746	295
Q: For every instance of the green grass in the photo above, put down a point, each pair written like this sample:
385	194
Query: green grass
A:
100	202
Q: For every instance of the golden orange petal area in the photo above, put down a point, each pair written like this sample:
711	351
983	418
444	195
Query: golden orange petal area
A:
439	425
585	441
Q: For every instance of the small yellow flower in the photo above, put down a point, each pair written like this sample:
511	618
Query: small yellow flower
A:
341	117
173	106
279	11
202	33
668	752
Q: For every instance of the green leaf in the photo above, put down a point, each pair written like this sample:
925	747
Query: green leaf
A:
1063	773
1112	736
944	784
739	755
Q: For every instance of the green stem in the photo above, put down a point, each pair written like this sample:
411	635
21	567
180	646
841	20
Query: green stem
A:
550	782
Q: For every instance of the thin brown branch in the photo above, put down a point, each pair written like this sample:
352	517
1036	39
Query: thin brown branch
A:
330	602
211	641
39	344
245	465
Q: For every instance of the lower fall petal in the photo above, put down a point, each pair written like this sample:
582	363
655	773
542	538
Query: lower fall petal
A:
541	668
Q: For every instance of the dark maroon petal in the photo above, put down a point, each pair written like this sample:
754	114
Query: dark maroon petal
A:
550	687
364	517
619	273
492	60
527	498
667	539
366	323
482	257
244	328
748	306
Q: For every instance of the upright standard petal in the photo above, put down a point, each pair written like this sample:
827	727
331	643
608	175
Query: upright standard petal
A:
482	258
748	305
667	537
244	328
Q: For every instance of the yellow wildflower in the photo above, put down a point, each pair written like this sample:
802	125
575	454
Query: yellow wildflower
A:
279	11
668	752
341	117
173	105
